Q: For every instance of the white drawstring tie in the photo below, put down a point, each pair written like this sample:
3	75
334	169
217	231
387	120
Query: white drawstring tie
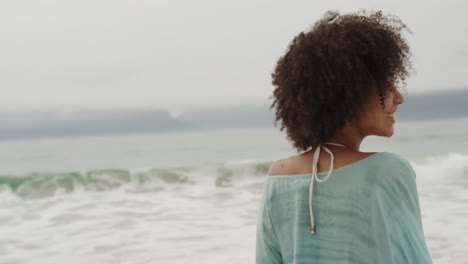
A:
315	176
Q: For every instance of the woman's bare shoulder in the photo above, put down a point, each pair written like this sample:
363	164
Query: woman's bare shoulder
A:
296	164
282	166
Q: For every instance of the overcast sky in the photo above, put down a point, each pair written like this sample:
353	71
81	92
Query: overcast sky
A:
176	54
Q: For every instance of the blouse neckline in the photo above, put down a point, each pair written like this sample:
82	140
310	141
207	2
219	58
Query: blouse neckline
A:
338	169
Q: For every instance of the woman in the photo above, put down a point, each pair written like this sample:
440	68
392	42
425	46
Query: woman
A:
336	85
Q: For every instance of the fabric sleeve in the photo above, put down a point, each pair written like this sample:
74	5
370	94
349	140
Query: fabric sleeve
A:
267	250
401	227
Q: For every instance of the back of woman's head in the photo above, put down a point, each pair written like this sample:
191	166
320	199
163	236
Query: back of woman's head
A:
329	72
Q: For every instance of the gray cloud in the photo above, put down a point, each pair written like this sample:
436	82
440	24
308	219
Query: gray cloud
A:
178	54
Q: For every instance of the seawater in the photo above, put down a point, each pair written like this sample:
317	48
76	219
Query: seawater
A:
192	197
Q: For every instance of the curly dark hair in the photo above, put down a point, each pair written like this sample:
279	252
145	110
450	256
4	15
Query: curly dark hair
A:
328	73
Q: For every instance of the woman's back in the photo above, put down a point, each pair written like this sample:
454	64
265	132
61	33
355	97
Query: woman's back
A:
367	212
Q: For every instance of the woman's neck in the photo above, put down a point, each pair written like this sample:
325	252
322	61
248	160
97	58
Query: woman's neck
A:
348	136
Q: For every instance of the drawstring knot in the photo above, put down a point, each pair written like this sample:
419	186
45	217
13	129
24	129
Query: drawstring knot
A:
315	177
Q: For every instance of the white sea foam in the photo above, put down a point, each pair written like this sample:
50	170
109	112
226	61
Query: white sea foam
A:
442	185
204	219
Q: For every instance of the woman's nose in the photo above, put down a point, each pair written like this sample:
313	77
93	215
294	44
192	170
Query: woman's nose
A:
398	99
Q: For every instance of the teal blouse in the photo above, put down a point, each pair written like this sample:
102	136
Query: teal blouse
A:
367	212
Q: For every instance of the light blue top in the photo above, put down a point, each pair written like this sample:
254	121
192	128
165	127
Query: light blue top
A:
367	212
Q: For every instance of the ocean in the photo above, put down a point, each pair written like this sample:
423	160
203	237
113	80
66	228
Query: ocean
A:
192	197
